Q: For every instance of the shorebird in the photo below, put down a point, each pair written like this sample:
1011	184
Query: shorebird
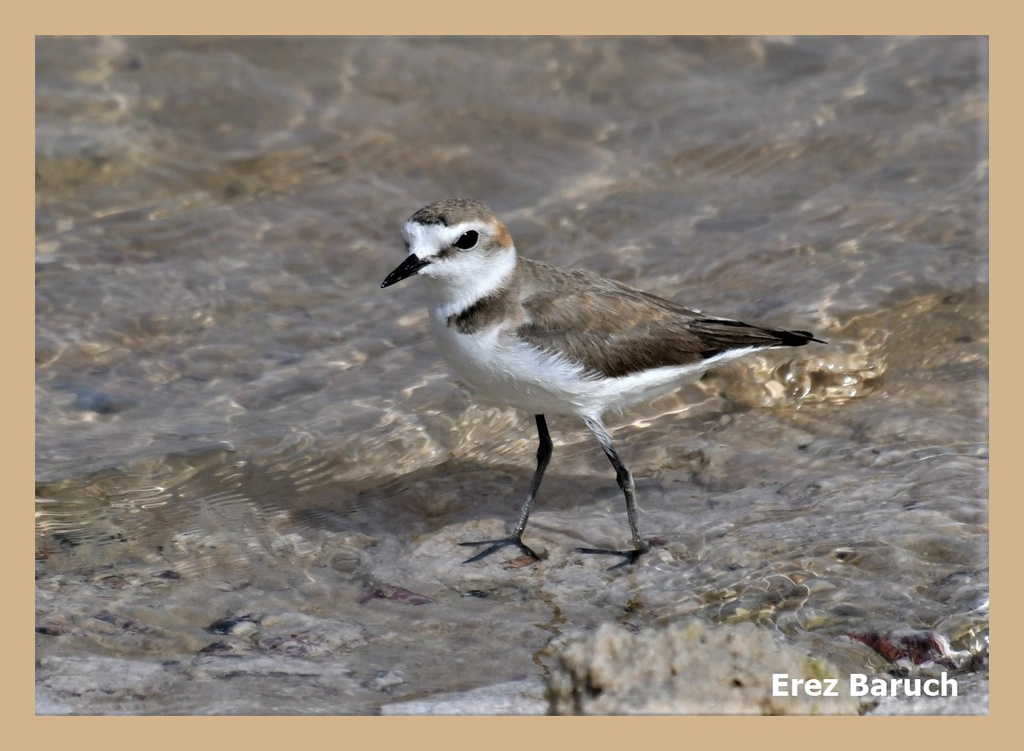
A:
552	340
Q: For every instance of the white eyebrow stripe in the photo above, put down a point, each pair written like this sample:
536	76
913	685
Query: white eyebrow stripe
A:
427	240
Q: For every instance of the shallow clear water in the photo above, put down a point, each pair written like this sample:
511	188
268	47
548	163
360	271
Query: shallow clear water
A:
234	420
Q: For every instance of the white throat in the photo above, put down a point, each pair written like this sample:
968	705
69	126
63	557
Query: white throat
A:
477	277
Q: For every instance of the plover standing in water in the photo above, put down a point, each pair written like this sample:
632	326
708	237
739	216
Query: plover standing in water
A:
552	340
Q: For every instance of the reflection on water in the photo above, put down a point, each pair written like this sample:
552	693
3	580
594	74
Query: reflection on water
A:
236	425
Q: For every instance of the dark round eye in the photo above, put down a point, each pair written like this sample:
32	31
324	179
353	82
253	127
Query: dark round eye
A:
468	240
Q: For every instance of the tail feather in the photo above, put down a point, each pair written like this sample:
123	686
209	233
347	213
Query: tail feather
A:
722	334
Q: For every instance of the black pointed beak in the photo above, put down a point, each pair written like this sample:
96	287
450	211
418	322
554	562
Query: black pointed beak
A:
406	268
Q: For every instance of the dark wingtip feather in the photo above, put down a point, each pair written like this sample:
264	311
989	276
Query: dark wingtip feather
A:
798	338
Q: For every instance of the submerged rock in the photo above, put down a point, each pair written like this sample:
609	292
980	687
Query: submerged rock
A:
691	668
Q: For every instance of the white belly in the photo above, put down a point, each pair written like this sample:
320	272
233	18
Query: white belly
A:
507	371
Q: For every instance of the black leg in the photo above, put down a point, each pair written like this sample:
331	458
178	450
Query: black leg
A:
544	449
625	480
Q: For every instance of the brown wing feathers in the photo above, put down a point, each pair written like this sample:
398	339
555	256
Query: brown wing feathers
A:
616	330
